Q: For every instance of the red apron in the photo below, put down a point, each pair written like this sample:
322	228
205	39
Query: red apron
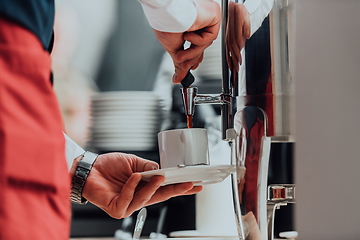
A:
34	182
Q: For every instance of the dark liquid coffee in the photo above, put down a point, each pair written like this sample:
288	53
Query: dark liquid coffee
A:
189	121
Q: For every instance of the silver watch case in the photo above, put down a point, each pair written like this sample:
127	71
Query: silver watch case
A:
80	176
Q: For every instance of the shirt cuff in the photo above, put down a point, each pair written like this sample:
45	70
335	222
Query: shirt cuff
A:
170	15
72	151
258	11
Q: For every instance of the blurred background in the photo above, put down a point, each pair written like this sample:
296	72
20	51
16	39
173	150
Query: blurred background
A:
113	80
107	46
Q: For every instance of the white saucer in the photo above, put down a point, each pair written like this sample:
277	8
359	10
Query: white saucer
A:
199	175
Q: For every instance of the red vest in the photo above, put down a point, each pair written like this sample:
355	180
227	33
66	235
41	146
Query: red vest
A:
34	182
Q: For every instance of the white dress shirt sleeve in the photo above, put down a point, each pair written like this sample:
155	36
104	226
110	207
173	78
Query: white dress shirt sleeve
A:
170	15
258	10
72	151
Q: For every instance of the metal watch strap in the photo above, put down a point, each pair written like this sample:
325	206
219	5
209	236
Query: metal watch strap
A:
80	176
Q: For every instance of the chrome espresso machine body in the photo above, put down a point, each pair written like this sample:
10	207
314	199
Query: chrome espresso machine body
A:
256	110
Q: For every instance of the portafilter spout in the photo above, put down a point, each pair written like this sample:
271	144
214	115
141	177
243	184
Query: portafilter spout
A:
188	97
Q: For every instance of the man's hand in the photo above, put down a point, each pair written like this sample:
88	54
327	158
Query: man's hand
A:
114	184
237	31
201	35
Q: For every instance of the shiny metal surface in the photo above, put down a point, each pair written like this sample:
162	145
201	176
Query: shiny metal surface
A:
278	195
140	221
191	98
281	193
253	150
268	81
265	112
235	177
257	102
270	218
188	97
229	79
209	98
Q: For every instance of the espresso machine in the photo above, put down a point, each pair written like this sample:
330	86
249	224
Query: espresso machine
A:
256	112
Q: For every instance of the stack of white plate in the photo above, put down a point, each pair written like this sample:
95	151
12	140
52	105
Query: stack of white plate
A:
124	121
210	67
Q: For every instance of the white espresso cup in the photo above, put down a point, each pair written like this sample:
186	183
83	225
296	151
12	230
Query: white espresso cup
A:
183	147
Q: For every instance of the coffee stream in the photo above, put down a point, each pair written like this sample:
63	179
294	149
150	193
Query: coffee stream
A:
189	119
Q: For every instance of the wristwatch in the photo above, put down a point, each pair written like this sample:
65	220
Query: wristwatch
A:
80	176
